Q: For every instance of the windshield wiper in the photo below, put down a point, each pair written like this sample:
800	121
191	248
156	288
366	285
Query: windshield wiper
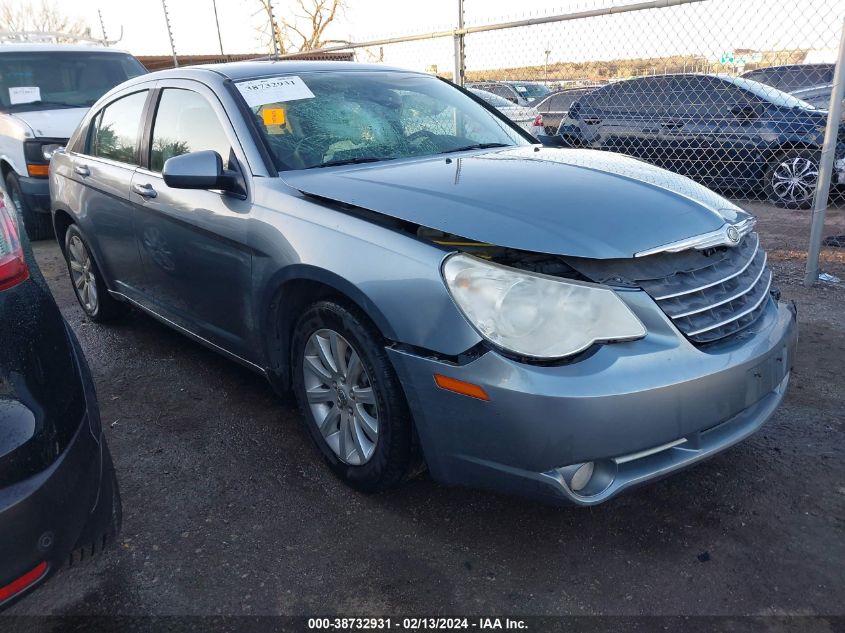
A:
348	161
466	148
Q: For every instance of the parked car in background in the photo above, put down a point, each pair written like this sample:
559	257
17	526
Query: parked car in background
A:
524	117
59	501
726	132
812	83
45	90
792	77
521	93
428	281
553	108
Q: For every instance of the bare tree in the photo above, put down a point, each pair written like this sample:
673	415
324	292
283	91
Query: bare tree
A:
303	28
310	28
44	17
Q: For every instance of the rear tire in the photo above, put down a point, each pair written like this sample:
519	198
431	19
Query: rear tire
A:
88	283
790	179
38	226
331	392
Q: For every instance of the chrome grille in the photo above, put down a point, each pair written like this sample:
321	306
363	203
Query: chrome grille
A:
718	299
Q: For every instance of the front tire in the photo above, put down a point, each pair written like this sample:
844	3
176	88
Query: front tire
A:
350	397
790	179
88	283
38	226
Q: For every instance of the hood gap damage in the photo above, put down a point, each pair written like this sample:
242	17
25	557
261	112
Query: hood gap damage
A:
553	265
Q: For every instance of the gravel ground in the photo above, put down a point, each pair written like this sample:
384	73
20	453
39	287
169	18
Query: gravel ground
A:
228	508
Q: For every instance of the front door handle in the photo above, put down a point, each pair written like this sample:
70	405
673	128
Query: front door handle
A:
82	170
592	120
145	191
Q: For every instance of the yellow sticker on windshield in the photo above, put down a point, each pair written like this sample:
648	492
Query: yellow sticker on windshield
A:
273	116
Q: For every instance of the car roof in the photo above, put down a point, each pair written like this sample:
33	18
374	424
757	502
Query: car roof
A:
28	47
509	82
236	71
790	67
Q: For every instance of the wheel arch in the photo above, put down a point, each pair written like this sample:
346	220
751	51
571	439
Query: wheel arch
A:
5	168
288	294
790	146
62	220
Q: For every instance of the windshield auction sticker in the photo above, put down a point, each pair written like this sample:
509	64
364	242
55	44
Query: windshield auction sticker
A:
24	94
274	90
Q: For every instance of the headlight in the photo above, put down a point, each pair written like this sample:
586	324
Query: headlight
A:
535	315
48	150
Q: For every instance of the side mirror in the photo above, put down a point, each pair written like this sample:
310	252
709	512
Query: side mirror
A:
745	112
199	170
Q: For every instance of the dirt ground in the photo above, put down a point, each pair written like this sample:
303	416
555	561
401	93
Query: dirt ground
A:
229	510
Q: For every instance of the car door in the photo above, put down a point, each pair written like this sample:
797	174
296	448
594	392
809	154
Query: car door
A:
688	133
626	117
710	130
193	243
104	171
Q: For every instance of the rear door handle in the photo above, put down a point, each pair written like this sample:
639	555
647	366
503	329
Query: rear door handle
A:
82	170
145	191
672	125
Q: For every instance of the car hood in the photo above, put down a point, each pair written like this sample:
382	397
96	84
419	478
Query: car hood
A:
582	203
59	123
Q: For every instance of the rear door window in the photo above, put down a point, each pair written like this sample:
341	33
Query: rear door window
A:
116	130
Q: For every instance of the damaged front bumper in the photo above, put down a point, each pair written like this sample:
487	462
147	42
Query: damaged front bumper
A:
636	410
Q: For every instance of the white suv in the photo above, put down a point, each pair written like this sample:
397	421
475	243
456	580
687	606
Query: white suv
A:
45	90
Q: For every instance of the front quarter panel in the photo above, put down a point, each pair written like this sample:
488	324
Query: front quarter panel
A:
393	277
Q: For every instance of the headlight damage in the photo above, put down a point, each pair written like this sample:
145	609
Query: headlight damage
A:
536	315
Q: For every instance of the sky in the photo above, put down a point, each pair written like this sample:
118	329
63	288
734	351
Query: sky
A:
708	28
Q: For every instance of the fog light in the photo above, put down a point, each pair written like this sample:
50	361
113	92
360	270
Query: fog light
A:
582	476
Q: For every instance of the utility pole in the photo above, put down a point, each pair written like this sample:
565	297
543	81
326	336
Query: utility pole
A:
273	28
460	60
103	28
217	22
546	65
170	34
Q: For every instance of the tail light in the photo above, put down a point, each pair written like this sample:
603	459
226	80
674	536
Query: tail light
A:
538	120
13	268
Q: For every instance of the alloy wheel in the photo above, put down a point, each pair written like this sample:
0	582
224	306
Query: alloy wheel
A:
340	395
82	274
794	180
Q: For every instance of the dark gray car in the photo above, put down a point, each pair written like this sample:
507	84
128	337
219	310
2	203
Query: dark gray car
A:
364	236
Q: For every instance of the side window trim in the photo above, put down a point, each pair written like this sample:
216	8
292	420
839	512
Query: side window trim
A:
148	117
91	132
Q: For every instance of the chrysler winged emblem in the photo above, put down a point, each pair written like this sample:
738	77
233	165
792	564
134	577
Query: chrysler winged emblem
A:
726	235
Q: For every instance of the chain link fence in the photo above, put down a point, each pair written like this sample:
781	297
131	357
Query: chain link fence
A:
734	95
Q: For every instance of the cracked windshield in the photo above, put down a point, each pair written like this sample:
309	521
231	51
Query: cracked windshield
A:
327	118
